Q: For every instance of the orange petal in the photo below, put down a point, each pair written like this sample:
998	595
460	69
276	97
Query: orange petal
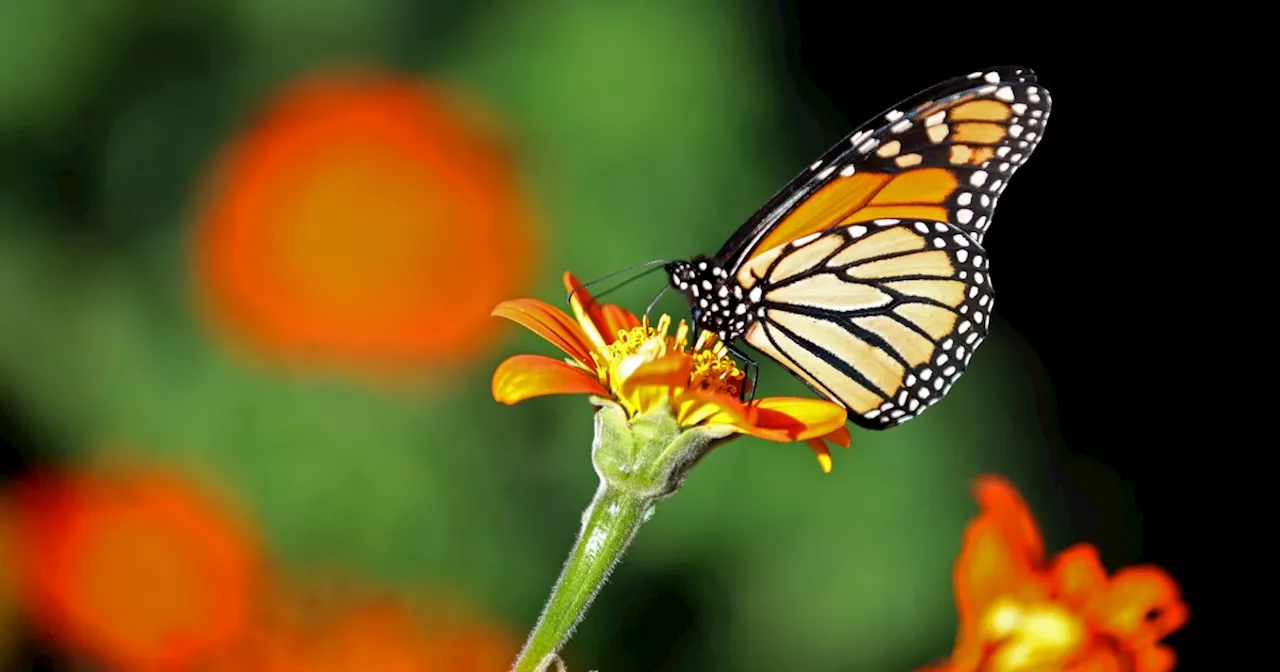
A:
1078	577
616	318
651	382
669	370
799	417
824	454
1001	553
1154	659
840	437
697	407
527	376
1002	504
606	320
1099	659
546	321
1142	605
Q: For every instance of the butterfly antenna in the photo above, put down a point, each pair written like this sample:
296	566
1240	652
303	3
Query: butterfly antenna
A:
626	282
654	302
584	285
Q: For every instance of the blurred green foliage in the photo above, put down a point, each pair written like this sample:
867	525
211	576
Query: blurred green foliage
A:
645	129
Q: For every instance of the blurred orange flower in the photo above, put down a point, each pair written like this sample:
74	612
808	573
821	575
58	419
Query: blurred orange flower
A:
640	367
368	633
138	570
1021	614
8	587
364	224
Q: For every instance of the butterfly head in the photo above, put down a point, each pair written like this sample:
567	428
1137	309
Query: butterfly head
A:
716	300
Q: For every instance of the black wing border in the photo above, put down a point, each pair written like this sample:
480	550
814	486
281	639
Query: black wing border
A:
735	250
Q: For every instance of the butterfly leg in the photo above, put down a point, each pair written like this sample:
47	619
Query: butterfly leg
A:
753	373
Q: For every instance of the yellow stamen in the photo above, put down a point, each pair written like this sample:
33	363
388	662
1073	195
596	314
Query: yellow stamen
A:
713	372
1031	636
711	369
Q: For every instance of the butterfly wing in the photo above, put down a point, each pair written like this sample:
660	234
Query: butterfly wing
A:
881	316
945	154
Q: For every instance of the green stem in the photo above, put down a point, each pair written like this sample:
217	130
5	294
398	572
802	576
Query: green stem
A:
640	461
609	525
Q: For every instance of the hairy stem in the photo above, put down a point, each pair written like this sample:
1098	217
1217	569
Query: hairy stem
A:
609	525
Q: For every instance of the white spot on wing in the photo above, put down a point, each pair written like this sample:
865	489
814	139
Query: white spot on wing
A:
806	239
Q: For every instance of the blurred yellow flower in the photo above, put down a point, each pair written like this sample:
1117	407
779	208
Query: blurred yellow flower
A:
617	357
1021	614
362	223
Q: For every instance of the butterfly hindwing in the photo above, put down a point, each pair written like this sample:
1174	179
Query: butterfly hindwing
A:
945	154
881	316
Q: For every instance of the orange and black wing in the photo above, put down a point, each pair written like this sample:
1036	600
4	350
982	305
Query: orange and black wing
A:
880	316
945	154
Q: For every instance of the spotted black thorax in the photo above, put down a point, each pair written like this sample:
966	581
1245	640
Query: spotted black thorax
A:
718	302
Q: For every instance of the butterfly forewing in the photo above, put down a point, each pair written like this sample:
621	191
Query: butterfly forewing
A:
881	316
945	154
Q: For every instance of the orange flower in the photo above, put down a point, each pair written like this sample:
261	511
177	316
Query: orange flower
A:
363	224
1021	614
615	356
137	570
8	588
302	634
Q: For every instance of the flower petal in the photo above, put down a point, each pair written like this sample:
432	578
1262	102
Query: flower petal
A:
798	417
1004	507
669	370
1078	577
617	318
1100	658
698	407
550	323
579	299
601	322
645	384
527	376
1154	659
1000	558
1142	605
824	454
840	437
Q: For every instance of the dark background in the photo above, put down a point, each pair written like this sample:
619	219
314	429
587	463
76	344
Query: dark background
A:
1133	255
1130	257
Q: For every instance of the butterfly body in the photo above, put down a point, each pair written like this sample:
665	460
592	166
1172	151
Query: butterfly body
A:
865	276
718	304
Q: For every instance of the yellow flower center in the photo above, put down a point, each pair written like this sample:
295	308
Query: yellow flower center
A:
713	370
1033	637
710	368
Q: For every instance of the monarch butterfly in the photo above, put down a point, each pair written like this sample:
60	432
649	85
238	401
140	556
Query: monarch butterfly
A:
865	276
